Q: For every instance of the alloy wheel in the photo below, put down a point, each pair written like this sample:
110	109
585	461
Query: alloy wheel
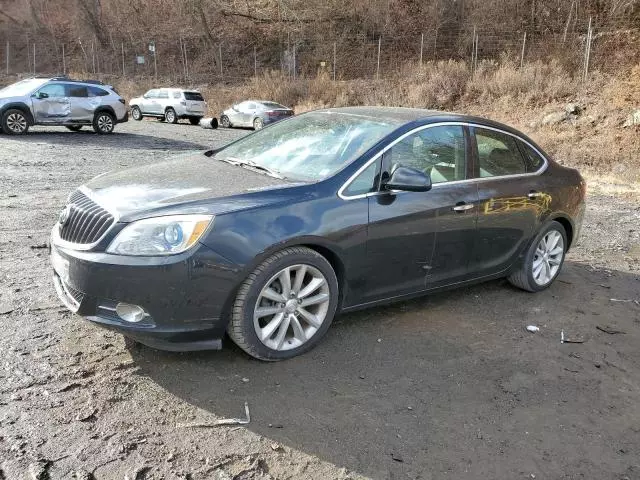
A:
105	123
17	123
258	124
548	257
291	307
170	116
136	114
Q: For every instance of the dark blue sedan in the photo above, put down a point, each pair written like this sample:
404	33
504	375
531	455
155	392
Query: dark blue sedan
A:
270	237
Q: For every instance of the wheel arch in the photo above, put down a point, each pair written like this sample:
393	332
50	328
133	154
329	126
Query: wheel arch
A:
105	108
328	251
23	107
564	220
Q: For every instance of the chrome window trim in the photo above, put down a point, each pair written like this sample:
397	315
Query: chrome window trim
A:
436	185
59	242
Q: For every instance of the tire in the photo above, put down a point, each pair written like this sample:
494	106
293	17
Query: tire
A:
258	123
245	320
103	123
194	120
170	116
525	276
224	121
136	114
15	122
74	128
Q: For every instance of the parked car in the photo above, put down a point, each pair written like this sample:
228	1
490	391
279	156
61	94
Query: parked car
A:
60	101
254	113
269	237
170	104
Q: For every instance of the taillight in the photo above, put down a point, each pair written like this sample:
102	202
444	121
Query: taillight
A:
122	101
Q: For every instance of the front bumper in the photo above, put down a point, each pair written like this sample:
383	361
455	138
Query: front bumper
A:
184	296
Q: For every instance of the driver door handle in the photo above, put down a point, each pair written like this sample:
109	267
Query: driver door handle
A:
534	194
463	207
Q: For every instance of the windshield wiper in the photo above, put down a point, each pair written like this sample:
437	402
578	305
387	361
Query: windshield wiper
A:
253	165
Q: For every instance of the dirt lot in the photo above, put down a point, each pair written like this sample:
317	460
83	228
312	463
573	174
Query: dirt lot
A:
449	386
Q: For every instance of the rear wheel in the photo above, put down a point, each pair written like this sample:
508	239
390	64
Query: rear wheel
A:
170	116
285	306
258	124
194	120
74	128
14	122
224	121
136	114
103	122
544	259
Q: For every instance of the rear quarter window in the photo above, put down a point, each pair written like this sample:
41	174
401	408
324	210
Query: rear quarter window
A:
532	158
193	96
97	92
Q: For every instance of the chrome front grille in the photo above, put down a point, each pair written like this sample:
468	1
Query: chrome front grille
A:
86	221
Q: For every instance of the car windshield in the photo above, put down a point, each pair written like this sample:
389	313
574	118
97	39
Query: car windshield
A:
23	87
309	147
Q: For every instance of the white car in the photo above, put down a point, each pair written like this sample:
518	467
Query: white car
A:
172	104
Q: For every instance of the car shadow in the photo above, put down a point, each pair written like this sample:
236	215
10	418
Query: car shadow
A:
445	384
122	140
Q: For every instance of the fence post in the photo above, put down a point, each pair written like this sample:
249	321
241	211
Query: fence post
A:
334	61
524	42
421	46
587	52
7	57
378	66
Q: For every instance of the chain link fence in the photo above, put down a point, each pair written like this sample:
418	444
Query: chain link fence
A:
196	60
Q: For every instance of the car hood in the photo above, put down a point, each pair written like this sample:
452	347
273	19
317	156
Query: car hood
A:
9	99
191	184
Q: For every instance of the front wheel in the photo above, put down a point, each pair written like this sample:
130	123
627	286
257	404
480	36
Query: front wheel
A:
103	123
170	116
136	113
285	306
543	260
14	122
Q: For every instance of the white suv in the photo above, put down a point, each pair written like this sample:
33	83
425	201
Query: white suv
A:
171	104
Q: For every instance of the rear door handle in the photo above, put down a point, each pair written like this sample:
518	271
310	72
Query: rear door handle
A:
463	207
534	194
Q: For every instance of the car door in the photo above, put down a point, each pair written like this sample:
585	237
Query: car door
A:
51	104
161	102
247	112
512	199
418	240
82	107
149	102
235	114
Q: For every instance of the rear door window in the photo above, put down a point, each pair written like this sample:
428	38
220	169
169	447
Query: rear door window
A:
163	94
193	96
77	91
176	95
498	154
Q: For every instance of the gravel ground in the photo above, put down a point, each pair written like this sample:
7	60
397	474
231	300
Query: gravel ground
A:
446	386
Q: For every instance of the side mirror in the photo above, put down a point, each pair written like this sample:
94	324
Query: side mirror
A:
41	95
145	96
235	107
408	179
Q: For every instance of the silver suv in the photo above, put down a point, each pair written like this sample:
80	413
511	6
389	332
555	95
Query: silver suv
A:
60	101
172	104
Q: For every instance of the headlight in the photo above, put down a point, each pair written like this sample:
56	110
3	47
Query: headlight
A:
160	235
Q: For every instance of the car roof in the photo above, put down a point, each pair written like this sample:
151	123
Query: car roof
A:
402	115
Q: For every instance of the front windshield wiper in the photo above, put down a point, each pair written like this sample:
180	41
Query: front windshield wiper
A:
252	165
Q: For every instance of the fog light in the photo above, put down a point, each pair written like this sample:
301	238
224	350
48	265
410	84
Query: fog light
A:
130	313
